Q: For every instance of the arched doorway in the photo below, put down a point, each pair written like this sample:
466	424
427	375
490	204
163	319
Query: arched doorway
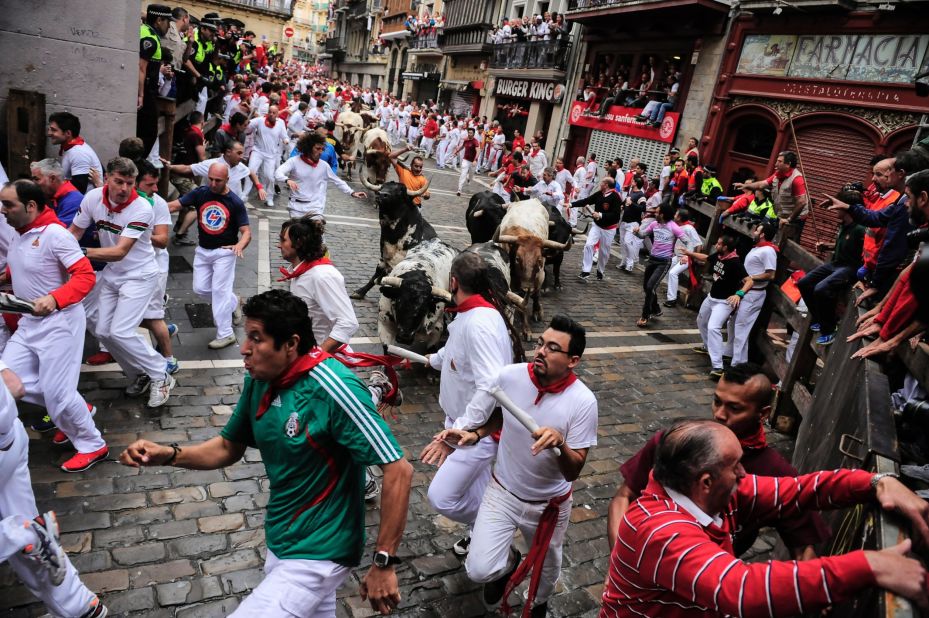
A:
749	144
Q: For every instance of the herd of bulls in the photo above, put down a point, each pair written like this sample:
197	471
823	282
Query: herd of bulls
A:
517	240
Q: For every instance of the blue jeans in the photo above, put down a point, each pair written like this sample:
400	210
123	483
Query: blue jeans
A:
821	288
659	112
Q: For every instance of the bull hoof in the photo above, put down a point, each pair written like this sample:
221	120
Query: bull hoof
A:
357	295
558	287
537	317
545	291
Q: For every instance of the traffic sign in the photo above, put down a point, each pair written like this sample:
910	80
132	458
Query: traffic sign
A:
288	32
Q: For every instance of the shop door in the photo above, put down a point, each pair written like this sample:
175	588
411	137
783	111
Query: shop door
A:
832	155
749	150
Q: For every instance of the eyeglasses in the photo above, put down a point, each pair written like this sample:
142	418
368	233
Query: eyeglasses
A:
551	348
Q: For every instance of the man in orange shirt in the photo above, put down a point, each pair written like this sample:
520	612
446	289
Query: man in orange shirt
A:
411	178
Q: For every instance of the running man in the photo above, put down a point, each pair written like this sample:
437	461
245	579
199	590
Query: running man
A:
307	179
304	412
270	137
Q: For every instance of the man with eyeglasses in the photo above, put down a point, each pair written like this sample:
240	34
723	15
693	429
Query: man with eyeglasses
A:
530	490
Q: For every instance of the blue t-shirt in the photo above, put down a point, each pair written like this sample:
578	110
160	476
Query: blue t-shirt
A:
68	205
218	216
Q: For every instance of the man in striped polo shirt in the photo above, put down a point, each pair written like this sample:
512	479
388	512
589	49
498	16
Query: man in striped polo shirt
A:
316	427
674	556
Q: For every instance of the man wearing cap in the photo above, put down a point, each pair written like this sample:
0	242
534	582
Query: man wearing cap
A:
157	19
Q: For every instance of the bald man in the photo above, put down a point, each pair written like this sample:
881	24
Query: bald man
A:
223	236
270	137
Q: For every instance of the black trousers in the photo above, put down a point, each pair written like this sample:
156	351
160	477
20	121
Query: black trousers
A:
655	271
146	123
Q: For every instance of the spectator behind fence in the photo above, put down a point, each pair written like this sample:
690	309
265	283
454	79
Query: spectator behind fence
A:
674	555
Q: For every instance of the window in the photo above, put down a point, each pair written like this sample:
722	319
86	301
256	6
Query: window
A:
755	137
518	11
541	7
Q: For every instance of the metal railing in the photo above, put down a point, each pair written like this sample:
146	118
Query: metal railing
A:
283	7
531	55
585	5
425	41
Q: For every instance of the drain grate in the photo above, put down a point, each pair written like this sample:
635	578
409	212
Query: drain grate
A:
179	264
200	314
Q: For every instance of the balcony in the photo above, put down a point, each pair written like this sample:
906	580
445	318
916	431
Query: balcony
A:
280	8
425	43
591	12
551	55
466	41
336	47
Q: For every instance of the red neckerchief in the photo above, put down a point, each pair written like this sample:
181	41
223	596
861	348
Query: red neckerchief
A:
475	300
556	387
46	217
309	161
119	207
197	130
226	128
767	243
77	141
65	188
607	194
270	126
300	367
757	440
301	268
729	256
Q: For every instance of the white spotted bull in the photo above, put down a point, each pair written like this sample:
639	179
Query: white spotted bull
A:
375	153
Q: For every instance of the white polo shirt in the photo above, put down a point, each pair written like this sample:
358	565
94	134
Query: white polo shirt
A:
162	216
78	160
39	260
268	140
133	221
237	174
572	412
310	197
478	347
322	288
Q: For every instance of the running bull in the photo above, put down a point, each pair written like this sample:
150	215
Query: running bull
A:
402	227
484	214
375	150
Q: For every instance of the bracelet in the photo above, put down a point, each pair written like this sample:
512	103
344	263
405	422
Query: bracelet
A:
477	434
259	186
177	450
740	293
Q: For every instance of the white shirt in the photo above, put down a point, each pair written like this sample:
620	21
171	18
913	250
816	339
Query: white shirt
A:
261	105
537	162
310	196
542	189
322	288
9	414
162	217
39	260
498	141
134	221
7	234
664	178
758	261
78	160
314	117
581	185
691	239
296	124
478	347
563	177
268	140
237	174
572	412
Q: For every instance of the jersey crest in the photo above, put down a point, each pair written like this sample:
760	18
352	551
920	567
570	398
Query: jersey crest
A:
292	428
214	218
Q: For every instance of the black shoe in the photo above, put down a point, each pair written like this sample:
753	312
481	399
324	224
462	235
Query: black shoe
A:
670	303
599	276
539	611
277	190
584	277
492	593
657	313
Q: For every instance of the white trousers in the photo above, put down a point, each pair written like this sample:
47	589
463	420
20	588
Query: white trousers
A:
427	144
46	355
441	153
214	278
632	244
571	218
710	321
4	336
676	269
458	486
202	100
298	210
467	173
156	306
17	506
495	156
114	312
741	323
304	588
263	165
605	238
500	516
499	190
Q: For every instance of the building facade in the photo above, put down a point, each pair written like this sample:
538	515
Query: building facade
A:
352	50
266	18
834	83
465	42
310	24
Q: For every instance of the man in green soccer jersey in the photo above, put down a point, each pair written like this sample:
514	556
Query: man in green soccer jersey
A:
316	427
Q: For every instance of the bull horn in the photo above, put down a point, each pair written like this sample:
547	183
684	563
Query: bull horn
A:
551	224
419	192
517	300
505	238
371	151
441	294
551	244
477	213
392	282
362	176
576	231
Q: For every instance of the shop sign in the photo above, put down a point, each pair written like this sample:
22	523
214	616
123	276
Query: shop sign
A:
532	90
623	120
412	76
879	58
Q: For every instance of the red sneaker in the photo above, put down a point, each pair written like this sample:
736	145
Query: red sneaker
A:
60	438
85	461
100	358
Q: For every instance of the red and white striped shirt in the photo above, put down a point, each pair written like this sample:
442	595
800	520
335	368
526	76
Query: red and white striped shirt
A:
665	563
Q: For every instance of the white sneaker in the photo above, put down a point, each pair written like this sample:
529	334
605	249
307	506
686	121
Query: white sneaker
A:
48	551
222	342
161	389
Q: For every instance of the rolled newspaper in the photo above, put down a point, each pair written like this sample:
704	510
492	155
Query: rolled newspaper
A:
410	356
13	304
520	415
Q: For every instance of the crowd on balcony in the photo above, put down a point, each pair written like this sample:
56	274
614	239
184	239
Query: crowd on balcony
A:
653	88
549	26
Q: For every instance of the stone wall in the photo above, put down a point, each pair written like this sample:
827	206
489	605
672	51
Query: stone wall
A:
700	94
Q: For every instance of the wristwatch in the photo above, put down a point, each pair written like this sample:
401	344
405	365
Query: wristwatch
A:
382	559
877	478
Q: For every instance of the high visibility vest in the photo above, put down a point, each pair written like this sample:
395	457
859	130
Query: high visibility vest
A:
204	48
215	70
765	209
708	184
146	32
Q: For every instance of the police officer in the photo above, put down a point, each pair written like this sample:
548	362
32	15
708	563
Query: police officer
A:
711	188
200	58
157	19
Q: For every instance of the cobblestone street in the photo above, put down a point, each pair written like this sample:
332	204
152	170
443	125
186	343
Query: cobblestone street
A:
170	542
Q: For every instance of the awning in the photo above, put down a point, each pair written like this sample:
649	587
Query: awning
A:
398	34
454	84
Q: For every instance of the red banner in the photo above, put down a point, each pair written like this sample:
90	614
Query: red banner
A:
624	120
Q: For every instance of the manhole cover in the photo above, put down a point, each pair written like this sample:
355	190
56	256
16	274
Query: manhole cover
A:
200	314
179	264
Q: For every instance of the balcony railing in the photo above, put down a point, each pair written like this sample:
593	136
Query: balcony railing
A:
425	41
531	55
282	7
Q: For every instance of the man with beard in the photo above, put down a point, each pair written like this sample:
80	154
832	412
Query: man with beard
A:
530	489
742	402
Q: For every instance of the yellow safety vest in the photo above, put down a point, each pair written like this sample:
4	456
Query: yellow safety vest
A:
146	32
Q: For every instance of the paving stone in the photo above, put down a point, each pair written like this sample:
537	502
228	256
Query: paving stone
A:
173	529
138	554
106	581
178	494
130	600
190	591
239	582
231	488
221	523
77	542
234	561
118	536
201	545
214	609
161	572
195	509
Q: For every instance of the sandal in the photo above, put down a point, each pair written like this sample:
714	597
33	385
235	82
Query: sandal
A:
642	323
